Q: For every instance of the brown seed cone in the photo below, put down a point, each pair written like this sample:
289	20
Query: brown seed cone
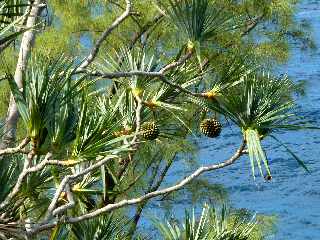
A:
150	130
210	127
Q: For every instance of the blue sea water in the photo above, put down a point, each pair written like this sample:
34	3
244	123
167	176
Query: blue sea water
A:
293	195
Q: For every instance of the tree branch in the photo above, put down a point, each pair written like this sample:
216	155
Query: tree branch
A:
153	194
89	59
126	202
252	24
138	118
67	206
25	49
159	74
3	46
70	178
153	186
18	149
144	29
26	170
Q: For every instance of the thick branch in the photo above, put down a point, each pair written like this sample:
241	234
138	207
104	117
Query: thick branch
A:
25	49
127	202
18	149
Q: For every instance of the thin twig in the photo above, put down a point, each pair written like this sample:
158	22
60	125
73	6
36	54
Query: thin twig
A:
144	29
251	25
138	118
70	178
176	64
153	186
67	206
89	59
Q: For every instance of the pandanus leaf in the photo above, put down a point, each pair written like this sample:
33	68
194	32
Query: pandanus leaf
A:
199	20
256	153
46	101
213	224
294	155
12	13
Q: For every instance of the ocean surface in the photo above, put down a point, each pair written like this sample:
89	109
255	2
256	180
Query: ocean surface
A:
293	195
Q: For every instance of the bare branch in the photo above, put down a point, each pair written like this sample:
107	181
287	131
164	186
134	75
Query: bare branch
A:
25	49
67	206
126	202
3	46
65	163
178	63
251	25
70	178
138	118
26	170
144	29
153	186
104	35
173	188
18	149
159	74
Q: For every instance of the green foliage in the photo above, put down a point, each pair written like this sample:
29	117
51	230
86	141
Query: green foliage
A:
11	12
47	89
8	176
214	224
264	102
199	20
81	118
4	97
106	227
259	104
94	134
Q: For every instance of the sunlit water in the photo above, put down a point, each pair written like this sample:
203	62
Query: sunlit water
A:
293	195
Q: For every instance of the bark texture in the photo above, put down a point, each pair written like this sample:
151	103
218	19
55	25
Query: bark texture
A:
25	49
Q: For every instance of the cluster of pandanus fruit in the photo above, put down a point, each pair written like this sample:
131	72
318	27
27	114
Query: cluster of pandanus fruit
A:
210	127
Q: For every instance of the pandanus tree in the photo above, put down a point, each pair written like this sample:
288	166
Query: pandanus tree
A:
100	134
214	224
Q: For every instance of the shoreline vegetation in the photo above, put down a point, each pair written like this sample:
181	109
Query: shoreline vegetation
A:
99	100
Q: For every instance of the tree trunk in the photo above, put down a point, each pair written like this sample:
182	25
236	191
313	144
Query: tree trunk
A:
25	49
